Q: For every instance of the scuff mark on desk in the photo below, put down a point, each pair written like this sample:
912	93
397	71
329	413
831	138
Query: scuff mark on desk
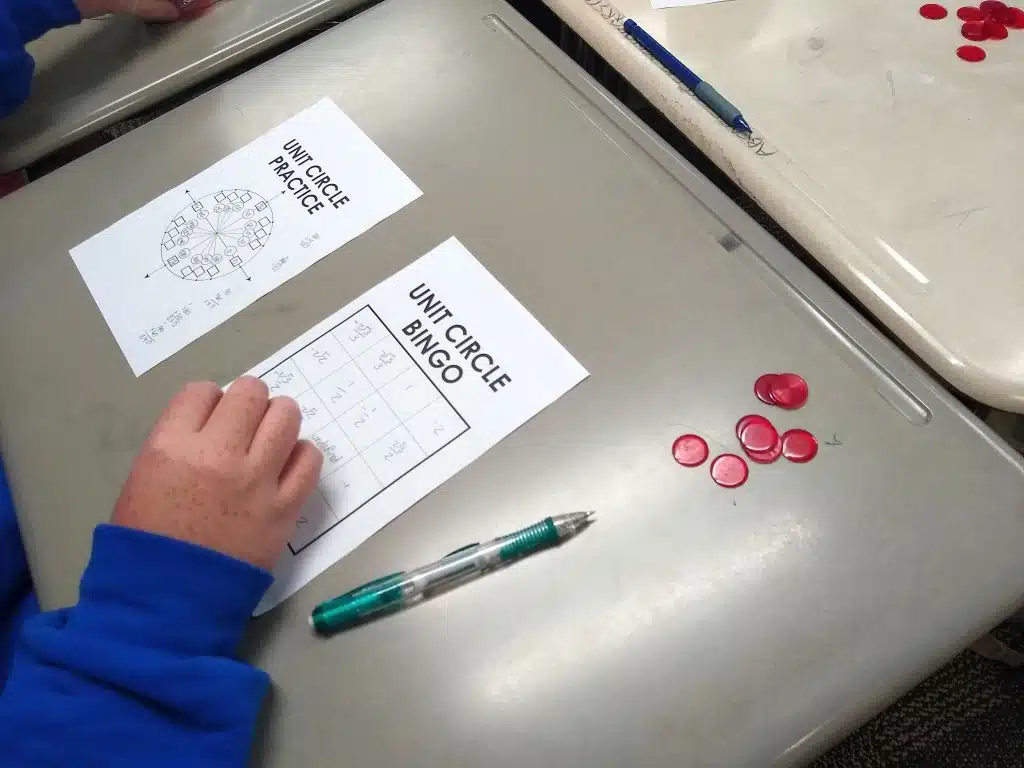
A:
964	214
892	84
814	43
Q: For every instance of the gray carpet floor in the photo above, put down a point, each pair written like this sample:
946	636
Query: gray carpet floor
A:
967	715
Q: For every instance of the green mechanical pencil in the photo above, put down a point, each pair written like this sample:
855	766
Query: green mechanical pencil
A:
400	590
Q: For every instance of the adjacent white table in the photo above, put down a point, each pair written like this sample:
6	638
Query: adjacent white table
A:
896	164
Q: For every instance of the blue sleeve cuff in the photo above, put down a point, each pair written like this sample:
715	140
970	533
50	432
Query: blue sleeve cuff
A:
34	18
14	577
166	594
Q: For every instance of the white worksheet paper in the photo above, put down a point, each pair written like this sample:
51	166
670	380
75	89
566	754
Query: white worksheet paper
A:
184	263
401	389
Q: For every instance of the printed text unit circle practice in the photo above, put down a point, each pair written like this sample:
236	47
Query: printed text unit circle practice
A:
217	234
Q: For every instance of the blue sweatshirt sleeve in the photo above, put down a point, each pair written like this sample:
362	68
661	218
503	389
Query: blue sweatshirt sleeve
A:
21	22
141	671
17	600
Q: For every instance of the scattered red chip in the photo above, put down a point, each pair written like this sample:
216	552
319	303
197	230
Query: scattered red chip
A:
789	390
729	470
970	13
799	445
973	30
1013	18
690	450
970	53
769	456
762	388
758	436
989	7
994	30
932	11
746	420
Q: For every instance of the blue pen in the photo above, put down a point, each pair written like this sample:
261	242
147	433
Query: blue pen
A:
702	90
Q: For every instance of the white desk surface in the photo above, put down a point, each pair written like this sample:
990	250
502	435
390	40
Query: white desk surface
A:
92	74
893	162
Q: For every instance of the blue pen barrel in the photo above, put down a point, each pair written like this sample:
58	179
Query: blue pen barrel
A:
715	101
662	54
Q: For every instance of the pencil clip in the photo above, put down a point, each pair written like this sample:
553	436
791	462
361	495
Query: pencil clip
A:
461	549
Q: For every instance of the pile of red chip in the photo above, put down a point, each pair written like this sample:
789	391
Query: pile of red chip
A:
991	20
763	444
786	390
759	438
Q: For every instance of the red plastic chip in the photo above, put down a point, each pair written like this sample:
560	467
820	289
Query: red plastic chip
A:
932	11
995	31
759	436
799	445
973	30
789	390
766	457
729	470
970	53
746	420
690	450
762	388
1013	17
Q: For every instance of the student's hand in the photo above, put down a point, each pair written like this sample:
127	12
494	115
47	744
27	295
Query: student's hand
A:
148	10
225	471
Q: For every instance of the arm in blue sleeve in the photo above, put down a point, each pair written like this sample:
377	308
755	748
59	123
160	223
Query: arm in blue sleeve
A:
16	68
21	22
17	600
141	671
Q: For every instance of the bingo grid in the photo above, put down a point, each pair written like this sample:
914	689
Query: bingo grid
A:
371	409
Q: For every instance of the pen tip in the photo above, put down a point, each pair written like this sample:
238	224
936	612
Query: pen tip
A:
741	125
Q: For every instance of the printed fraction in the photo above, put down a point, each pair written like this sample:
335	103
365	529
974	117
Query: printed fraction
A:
372	411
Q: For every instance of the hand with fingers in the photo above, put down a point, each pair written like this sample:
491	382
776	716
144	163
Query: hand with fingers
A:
226	471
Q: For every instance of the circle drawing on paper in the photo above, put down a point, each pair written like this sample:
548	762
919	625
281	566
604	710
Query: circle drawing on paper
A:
216	234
